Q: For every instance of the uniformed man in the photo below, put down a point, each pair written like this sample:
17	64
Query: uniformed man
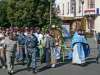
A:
10	47
31	46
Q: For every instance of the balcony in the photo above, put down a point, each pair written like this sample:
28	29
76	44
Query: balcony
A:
66	17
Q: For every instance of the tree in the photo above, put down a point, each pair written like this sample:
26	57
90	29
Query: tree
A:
19	12
3	14
30	12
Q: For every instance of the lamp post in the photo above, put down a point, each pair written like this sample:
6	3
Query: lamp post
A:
50	12
74	7
82	1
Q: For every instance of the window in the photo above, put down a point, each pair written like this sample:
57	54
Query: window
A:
68	8
58	9
80	6
73	7
91	3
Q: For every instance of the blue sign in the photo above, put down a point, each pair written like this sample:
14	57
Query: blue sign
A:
97	11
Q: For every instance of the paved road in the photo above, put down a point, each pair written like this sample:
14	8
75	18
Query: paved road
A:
65	69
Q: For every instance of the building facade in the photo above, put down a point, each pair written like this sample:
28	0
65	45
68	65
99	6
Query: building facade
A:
71	12
80	13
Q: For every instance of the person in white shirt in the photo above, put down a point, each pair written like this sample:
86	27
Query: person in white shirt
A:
39	37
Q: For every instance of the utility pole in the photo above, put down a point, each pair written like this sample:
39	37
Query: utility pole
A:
50	13
82	1
74	6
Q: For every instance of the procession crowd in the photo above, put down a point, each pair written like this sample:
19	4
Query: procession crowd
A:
28	45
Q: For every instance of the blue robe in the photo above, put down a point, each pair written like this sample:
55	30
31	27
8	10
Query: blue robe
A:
79	51
74	38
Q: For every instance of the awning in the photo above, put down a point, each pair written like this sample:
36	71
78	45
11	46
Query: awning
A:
66	18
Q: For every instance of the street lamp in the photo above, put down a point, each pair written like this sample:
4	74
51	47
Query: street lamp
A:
74	7
82	1
50	12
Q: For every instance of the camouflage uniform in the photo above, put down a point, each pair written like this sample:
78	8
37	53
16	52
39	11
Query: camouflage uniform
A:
31	46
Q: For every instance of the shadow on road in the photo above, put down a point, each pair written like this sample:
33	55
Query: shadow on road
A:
44	68
23	69
66	61
57	65
90	61
0	66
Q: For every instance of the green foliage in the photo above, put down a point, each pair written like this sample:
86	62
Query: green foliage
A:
3	14
27	13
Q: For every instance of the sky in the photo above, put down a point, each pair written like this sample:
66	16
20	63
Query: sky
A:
57	2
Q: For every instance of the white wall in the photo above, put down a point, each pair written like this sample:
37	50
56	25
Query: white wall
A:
97	20
97	24
97	3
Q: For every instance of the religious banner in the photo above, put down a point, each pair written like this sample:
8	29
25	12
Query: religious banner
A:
66	30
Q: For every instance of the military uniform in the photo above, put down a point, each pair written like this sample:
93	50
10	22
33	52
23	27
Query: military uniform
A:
31	46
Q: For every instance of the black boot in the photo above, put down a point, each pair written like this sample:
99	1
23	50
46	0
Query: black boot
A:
9	73
28	68
34	70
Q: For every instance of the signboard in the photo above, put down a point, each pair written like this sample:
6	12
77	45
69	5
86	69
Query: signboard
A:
97	11
92	11
89	11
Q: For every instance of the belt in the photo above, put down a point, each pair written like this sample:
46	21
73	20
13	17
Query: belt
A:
21	45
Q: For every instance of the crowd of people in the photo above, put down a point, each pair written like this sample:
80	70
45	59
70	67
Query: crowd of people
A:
28	45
